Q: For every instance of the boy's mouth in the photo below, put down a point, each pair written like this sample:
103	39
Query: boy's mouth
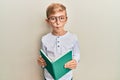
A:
58	26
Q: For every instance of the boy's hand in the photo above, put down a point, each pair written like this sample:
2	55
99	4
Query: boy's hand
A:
71	64
41	61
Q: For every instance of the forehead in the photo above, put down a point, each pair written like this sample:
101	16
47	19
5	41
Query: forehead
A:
60	13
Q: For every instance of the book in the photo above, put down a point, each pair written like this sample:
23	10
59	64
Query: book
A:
56	68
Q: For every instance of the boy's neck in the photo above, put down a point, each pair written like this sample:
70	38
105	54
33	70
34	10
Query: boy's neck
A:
59	33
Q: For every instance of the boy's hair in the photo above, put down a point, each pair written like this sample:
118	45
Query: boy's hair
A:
55	7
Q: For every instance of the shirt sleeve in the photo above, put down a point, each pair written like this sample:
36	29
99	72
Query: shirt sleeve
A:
43	46
76	51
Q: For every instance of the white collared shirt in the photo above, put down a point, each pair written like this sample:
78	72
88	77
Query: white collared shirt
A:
54	46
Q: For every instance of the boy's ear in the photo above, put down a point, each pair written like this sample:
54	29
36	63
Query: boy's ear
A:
46	20
66	18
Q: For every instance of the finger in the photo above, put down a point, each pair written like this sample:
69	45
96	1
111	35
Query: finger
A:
41	61
67	65
70	66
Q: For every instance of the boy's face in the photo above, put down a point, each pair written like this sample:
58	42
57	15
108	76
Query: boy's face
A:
57	20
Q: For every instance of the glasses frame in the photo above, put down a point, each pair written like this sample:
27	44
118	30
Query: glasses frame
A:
57	18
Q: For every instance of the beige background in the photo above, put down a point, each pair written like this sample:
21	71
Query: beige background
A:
96	22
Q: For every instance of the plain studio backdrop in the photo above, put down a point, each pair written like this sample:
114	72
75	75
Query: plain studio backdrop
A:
96	23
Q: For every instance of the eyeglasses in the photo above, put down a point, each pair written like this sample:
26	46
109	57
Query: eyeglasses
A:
54	18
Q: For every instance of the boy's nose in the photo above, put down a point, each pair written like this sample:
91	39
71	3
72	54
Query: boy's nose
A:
57	21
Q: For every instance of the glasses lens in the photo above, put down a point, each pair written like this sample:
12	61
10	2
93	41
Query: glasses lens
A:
52	19
62	18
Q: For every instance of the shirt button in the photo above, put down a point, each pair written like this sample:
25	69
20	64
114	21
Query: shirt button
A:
58	41
58	46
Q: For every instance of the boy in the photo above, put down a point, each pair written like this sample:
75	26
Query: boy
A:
59	41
